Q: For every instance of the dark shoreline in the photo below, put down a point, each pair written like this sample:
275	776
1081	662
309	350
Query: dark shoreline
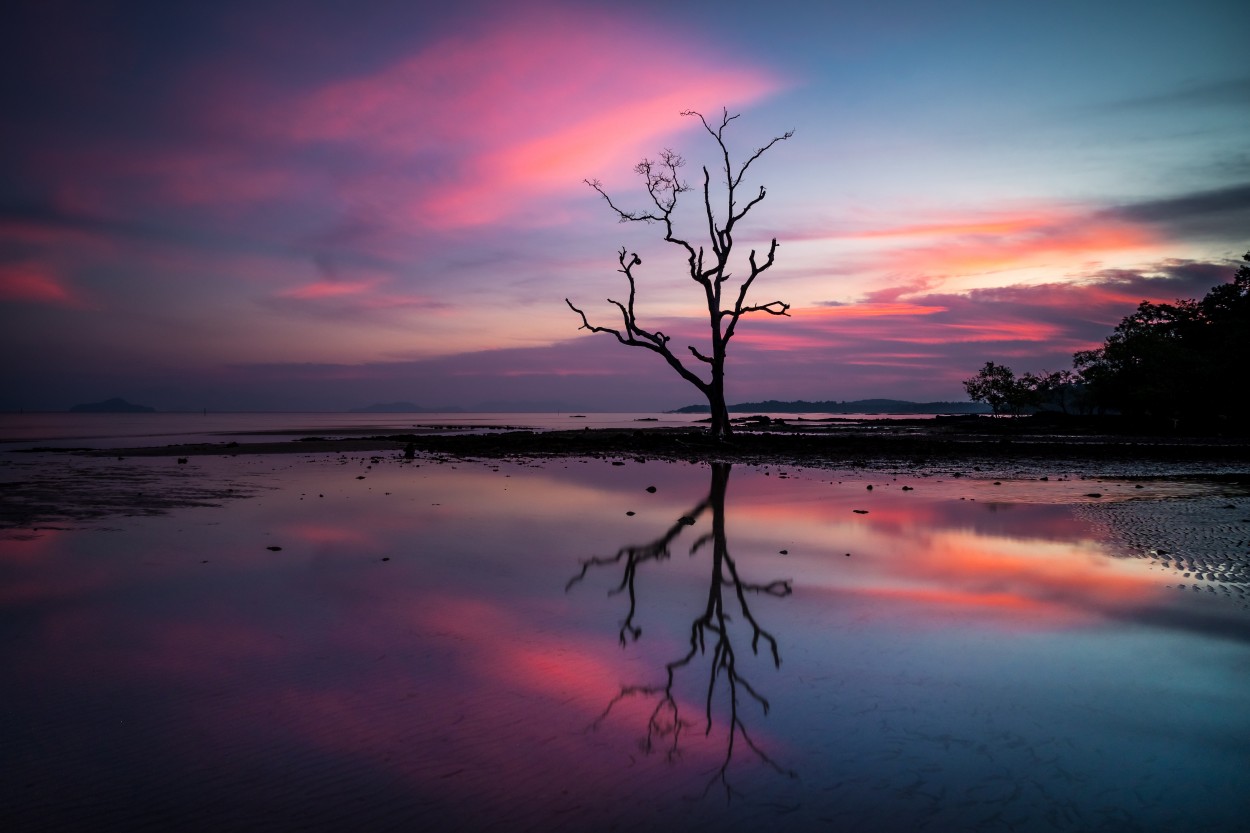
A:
890	446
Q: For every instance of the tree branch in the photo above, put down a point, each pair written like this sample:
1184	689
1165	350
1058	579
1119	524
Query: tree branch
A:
664	186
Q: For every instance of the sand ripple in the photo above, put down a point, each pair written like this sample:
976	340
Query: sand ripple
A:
1204	538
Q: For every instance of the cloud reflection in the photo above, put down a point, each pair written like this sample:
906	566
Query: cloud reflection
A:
458	673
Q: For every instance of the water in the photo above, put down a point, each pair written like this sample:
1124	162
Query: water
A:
376	644
61	430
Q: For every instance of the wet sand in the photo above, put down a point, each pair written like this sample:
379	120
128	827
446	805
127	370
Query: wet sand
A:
1203	536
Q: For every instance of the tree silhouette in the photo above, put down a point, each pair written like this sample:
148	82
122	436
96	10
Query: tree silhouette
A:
997	386
1183	361
710	635
662	179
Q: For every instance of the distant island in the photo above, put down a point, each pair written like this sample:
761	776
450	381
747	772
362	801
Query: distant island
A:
857	406
403	407
111	406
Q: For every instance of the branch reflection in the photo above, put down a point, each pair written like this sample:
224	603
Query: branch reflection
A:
712	635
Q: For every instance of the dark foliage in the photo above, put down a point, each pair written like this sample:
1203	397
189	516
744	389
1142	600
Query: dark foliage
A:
1183	362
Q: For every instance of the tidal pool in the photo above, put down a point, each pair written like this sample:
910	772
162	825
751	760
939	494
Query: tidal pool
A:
373	644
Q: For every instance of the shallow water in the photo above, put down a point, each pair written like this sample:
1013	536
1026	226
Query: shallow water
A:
958	655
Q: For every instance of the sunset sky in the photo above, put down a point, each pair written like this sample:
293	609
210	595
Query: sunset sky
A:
316	206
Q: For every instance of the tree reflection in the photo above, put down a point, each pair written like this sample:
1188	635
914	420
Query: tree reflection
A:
711	635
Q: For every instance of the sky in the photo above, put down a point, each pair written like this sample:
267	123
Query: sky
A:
322	205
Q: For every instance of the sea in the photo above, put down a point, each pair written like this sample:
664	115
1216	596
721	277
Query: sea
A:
117	430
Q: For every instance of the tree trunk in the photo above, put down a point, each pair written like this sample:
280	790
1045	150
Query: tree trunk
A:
720	428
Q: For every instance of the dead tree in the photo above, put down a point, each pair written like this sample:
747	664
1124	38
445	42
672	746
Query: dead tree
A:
725	305
710	635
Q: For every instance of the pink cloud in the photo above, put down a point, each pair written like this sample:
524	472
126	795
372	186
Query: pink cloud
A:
474	126
339	298
34	282
477	125
328	289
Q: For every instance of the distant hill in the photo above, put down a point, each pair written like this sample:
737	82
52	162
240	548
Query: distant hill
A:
857	406
111	406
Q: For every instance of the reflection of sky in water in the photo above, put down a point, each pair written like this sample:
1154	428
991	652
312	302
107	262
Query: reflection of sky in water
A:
409	654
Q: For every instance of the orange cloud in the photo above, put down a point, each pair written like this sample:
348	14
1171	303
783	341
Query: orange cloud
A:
878	310
962	228
992	331
1059	239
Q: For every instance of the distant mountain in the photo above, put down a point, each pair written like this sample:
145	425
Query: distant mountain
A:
404	407
857	406
111	406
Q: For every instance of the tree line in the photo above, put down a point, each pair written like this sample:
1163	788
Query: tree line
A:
1183	363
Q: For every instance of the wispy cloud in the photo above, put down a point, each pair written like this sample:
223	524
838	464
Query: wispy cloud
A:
1045	238
33	282
480	126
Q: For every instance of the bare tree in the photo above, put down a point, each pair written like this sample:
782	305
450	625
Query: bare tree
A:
711	634
711	272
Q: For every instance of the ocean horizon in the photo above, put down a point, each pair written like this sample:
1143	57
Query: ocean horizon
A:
59	429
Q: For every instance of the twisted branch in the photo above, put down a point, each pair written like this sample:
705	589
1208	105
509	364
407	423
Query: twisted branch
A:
664	186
